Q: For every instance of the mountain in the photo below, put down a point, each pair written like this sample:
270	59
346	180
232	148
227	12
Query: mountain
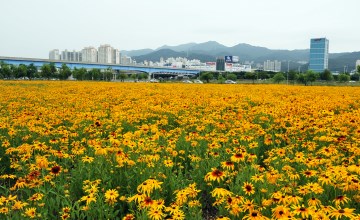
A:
341	61
132	53
179	48
208	51
167	53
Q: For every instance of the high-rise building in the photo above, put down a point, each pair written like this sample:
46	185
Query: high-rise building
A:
274	66
220	64
71	56
54	54
319	54
89	54
115	56
105	54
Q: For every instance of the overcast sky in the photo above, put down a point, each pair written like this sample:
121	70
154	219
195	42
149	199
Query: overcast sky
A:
32	28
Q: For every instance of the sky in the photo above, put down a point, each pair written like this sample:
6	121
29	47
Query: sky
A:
33	28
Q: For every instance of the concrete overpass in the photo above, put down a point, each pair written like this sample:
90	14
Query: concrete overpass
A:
147	69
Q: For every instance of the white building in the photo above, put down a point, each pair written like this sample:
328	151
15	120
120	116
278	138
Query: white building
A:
274	66
125	60
105	54
71	56
116	56
89	54
54	54
357	64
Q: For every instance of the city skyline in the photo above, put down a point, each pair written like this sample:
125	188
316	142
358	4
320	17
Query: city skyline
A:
31	29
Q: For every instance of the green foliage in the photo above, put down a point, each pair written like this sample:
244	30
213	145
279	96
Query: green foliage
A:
263	75
279	77
355	77
292	75
95	74
5	70
21	71
122	77
231	76
80	74
46	71
343	78
108	74
221	79
326	75
142	76
250	75
311	76
206	76
64	72
31	71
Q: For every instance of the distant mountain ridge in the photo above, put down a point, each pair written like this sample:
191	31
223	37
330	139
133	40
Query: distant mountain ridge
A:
208	51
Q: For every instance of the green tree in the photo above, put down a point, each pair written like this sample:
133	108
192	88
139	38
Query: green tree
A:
231	76
206	76
262	75
64	72
108	74
278	77
326	75
143	76
95	74
31	71
311	76
358	69
251	75
53	70
46	71
134	77
343	78
302	79
221	79
5	70
122	77
355	77
21	71
82	73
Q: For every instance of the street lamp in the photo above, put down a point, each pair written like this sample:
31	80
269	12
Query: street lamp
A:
287	74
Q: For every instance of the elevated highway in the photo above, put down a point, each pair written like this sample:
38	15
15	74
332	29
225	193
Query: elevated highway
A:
151	70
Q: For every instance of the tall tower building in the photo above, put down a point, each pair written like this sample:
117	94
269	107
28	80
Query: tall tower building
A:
105	53
89	54
220	64
319	54
115	56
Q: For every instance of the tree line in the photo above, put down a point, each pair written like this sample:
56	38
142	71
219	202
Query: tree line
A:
49	71
306	78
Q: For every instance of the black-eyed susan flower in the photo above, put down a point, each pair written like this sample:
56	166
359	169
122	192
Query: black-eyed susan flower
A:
111	195
341	212
215	175
248	188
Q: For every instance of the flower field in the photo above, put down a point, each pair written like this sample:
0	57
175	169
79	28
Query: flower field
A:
83	150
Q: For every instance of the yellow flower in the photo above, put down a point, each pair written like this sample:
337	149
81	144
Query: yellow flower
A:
215	175
87	159
30	212
248	188
89	199
220	192
111	196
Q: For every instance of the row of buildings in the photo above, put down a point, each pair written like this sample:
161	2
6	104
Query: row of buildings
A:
103	54
319	59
